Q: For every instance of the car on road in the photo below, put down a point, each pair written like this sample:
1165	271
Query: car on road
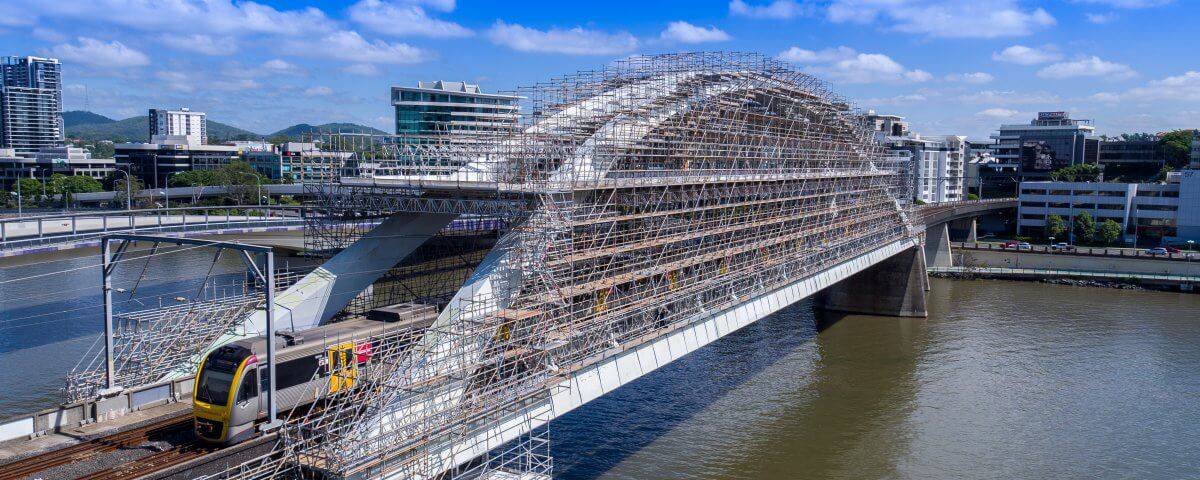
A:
1008	245
1157	251
1062	247
1172	249
1024	246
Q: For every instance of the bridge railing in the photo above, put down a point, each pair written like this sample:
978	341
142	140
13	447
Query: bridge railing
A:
922	213
25	232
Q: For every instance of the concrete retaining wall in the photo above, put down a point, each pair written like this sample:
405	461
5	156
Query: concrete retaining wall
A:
1059	261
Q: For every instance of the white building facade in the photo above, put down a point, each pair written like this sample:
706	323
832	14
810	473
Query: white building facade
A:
1149	213
175	125
74	161
938	162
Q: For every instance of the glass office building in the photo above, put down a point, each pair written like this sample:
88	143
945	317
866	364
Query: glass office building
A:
1051	141
440	111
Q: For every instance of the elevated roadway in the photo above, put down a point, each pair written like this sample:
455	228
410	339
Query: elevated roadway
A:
45	233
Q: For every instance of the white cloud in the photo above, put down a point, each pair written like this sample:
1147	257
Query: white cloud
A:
1008	97
235	85
907	99
404	18
176	81
777	9
1087	67
277	65
800	55
1100	18
100	54
1022	55
201	44
318	91
1129	3
1174	89
49	35
211	16
364	69
685	32
575	41
348	45
975	78
998	113
844	64
944	18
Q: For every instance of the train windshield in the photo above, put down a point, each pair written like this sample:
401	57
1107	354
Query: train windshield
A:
216	378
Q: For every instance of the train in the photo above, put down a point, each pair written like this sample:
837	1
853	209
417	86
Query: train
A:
226	399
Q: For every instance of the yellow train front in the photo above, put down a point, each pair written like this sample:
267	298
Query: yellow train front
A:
227	396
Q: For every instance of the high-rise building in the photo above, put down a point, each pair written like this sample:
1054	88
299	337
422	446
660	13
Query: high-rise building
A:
30	104
937	162
1051	141
189	126
435	112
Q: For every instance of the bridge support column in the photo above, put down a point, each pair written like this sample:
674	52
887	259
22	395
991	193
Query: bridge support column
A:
964	228
937	246
893	287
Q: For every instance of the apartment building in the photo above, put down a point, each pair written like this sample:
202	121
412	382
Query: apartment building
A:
176	125
30	104
938	162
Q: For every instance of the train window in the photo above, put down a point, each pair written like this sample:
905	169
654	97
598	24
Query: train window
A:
295	372
249	385
213	387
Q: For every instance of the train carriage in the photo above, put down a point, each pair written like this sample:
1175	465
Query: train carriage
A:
227	396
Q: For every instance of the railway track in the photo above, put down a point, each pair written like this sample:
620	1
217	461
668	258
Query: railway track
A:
74	453
153	463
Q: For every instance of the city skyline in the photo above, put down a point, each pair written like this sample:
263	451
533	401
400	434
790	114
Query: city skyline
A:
950	67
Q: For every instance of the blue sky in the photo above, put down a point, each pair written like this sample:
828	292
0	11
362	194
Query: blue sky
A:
951	66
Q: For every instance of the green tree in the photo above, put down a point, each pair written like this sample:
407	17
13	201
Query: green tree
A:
1110	232
1056	227
195	178
31	190
1084	227
972	196
1083	172
118	186
102	150
1176	147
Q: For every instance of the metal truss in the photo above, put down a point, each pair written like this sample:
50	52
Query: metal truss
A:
635	200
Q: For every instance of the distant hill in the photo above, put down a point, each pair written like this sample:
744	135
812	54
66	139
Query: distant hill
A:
94	127
81	117
299	131
137	129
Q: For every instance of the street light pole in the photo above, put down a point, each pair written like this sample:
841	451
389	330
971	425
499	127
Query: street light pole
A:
128	190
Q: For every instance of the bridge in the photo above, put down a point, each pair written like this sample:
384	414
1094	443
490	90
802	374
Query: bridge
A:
955	220
643	211
42	233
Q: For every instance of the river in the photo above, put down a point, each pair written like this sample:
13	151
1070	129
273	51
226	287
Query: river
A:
1002	380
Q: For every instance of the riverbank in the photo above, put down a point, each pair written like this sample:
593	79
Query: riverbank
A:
1117	284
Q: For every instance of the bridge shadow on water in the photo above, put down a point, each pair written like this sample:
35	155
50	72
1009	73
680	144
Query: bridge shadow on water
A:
596	437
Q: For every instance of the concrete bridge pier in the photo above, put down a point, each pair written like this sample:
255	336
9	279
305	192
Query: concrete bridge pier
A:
964	229
894	287
937	245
